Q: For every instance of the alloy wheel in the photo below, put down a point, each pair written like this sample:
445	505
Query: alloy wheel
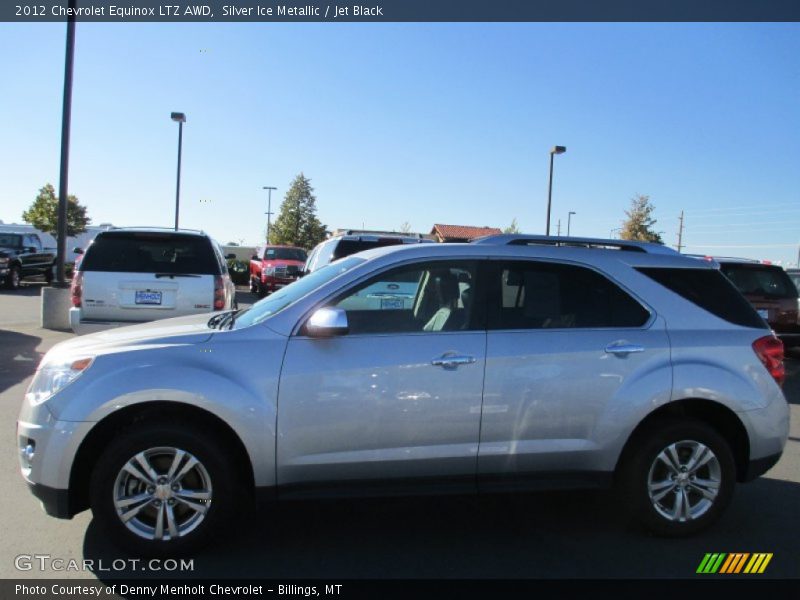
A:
684	481
162	493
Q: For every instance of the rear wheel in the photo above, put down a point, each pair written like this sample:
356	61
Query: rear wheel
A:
161	489
678	477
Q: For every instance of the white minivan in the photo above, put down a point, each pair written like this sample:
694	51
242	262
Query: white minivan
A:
133	275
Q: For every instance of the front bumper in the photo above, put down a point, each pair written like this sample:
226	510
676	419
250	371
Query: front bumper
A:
55	502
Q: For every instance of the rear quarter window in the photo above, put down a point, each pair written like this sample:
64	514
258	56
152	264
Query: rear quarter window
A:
134	252
710	290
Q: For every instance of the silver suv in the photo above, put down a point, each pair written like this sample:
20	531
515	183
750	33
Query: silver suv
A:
514	363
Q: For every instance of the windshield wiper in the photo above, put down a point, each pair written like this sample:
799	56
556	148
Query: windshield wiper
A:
172	275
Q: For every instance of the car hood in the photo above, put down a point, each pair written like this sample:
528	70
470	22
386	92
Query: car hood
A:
284	263
178	331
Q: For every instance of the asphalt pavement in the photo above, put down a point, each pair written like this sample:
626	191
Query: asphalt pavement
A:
555	534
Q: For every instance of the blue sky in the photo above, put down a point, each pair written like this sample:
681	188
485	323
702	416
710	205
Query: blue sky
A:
423	123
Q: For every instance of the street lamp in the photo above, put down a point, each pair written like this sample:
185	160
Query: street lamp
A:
180	119
553	152
569	219
269	207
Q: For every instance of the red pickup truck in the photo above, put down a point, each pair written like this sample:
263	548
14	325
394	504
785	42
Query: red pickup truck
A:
274	267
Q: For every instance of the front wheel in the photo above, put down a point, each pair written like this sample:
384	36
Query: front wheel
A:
678	477
161	489
13	278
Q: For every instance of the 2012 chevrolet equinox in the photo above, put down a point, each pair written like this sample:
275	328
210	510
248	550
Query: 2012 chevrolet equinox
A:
497	365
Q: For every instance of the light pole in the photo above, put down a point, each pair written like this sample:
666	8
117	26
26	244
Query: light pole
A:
269	208
180	119
553	152
569	219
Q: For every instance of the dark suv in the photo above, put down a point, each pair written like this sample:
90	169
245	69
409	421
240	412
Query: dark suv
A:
770	290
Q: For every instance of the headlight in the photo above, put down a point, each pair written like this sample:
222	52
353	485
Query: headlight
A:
269	271
3	260
55	376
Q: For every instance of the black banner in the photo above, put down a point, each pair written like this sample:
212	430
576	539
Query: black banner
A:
377	11
143	589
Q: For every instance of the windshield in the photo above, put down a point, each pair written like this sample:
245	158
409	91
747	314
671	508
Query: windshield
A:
297	254
277	301
10	240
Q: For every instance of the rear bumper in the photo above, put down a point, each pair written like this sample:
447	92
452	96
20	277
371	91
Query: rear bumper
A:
759	466
82	326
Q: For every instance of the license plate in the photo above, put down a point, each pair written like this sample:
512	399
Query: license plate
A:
391	304
147	297
763	313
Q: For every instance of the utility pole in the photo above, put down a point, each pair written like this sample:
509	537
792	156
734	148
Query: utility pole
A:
559	228
680	233
269	208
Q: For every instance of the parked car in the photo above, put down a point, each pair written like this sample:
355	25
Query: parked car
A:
274	267
132	275
346	244
770	290
22	256
794	275
497	366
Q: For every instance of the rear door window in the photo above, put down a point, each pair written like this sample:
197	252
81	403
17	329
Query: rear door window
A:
542	295
145	252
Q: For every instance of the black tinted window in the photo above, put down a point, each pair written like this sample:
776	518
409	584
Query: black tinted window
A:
531	295
348	247
711	291
10	240
760	280
131	252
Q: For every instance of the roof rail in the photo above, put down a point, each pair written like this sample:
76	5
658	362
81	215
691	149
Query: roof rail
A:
156	228
517	239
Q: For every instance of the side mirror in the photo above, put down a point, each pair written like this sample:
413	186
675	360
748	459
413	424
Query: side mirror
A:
31	249
77	250
327	322
230	256
254	257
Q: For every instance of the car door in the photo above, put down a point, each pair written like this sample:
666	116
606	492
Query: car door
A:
395	402
565	344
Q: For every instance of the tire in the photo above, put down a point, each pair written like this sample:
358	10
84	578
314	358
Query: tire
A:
13	278
253	285
198	499
262	289
678	505
49	274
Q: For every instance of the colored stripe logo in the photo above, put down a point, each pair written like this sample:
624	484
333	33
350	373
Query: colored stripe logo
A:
734	563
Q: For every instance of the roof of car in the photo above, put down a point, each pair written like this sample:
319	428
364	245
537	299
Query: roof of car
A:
581	253
196	232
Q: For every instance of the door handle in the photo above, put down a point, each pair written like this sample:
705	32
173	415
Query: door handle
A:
452	361
623	349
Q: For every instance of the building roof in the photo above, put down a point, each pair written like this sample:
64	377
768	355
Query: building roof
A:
463	232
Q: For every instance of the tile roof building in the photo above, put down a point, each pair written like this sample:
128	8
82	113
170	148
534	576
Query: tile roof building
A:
461	233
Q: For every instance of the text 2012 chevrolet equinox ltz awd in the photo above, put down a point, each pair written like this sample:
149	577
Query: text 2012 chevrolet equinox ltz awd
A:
511	363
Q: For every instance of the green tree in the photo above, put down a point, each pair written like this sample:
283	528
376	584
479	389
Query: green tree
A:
43	213
513	228
297	223
639	224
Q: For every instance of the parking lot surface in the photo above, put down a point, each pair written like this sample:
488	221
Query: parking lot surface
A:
555	534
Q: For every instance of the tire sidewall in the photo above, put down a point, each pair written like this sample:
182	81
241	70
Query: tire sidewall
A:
14	277
640	460
220	469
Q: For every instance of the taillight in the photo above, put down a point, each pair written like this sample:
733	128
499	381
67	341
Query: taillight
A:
76	289
769	350
219	294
